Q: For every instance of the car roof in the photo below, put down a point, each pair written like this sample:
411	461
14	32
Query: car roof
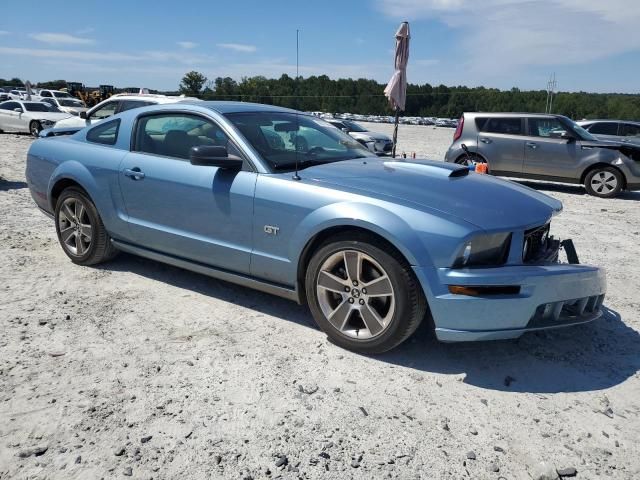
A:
223	107
595	120
509	114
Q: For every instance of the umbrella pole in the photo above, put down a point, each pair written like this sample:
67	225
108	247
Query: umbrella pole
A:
395	133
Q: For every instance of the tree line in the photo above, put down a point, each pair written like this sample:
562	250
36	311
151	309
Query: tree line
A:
321	93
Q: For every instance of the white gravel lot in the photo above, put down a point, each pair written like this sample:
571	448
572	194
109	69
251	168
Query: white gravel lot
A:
139	369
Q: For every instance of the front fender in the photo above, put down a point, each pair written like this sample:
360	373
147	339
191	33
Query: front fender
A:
388	225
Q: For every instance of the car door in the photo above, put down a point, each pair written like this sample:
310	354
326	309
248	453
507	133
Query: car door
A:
630	133
201	213
605	130
546	154
501	143
8	116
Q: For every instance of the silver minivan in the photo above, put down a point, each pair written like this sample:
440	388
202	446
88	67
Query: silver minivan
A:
545	147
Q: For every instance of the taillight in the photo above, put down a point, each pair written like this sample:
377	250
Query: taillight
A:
458	133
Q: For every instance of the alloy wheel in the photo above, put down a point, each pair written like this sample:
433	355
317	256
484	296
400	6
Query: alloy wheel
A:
604	182
355	294
76	232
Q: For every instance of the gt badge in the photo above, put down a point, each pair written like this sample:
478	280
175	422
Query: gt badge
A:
271	229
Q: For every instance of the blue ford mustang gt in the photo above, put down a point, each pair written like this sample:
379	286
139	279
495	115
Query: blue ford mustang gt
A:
283	202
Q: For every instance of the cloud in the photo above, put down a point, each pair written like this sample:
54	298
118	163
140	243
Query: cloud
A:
187	45
85	31
238	47
70	54
61	39
148	56
499	35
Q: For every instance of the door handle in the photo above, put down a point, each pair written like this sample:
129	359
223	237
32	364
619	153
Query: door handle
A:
133	173
485	140
531	145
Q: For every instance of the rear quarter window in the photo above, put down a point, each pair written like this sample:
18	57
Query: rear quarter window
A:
504	125
105	133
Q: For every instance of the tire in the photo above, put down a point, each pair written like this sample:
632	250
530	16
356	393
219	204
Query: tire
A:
604	182
351	316
35	127
80	230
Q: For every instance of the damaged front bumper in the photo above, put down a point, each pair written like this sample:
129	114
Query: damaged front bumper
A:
550	295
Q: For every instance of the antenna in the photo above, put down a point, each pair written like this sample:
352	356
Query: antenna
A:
295	144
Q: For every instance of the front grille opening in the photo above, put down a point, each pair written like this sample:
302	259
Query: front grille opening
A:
536	241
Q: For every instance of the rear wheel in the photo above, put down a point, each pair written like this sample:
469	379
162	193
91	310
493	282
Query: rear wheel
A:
80	230
604	182
363	295
35	128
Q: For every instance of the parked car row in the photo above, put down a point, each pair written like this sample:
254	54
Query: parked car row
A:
64	111
547	147
438	122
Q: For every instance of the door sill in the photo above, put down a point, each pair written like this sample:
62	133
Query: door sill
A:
238	279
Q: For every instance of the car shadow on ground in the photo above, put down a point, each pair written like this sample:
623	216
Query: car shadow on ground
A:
10	185
572	189
590	357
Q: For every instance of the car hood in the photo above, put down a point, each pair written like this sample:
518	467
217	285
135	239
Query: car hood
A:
367	135
485	201
72	121
74	109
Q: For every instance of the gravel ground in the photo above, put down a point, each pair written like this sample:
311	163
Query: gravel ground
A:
137	369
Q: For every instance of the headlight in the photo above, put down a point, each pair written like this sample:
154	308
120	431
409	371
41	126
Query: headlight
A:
484	250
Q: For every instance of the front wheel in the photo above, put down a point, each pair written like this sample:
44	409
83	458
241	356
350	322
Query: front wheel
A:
35	128
80	230
363	294
604	182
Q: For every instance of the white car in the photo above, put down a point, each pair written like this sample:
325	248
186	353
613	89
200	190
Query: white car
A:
68	105
116	104
31	117
54	94
378	143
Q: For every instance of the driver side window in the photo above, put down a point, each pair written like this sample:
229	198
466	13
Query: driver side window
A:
545	127
174	134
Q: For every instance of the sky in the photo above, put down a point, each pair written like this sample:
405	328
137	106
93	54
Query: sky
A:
591	45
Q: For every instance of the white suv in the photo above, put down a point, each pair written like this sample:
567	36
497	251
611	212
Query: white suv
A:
116	104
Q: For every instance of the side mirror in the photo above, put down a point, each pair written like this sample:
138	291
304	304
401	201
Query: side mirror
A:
567	136
83	115
214	156
17	109
345	129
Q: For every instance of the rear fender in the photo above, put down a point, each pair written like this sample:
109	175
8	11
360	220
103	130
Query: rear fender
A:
79	173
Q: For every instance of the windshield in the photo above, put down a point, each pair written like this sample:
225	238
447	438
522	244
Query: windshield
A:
61	95
36	107
354	127
283	139
70	103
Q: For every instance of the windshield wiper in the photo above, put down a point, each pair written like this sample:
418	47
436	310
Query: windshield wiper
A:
301	164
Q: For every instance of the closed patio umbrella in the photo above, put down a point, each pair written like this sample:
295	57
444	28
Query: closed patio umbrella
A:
396	89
